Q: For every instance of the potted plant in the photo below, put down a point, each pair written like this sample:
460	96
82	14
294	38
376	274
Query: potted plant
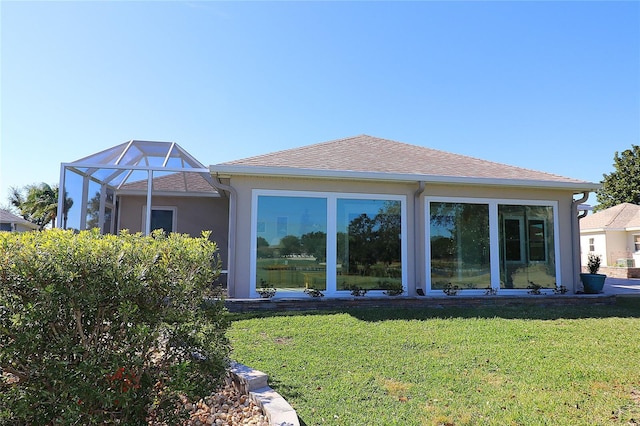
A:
593	281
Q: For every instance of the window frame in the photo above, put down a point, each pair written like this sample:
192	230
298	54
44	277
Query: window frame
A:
494	238
332	227
174	218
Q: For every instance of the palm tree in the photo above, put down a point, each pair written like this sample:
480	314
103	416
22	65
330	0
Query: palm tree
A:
40	204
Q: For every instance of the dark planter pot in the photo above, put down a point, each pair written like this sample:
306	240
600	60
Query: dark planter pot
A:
592	283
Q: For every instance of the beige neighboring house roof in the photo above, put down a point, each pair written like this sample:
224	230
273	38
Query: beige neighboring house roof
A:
622	217
186	182
368	157
8	217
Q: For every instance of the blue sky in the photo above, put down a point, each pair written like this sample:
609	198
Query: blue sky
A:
551	86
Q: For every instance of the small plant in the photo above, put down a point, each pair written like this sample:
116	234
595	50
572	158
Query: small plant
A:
392	288
490	291
593	263
358	291
265	291
451	290
534	288
560	290
313	292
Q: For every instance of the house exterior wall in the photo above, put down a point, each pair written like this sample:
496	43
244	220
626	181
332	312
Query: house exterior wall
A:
193	214
245	186
617	248
16	227
599	245
22	228
610	245
565	214
415	219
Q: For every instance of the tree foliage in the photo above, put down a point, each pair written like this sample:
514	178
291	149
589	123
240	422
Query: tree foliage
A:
373	239
100	328
38	203
623	184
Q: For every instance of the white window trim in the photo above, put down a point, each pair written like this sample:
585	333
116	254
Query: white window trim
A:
634	236
174	221
494	240
332	201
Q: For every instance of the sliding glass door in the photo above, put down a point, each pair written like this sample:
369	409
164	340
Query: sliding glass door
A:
491	244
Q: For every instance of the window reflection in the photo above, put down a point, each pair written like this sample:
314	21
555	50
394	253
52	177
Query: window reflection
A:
291	242
369	244
460	248
526	246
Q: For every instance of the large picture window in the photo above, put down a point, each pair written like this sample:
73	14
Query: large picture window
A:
526	246
482	244
369	254
329	242
460	249
291	243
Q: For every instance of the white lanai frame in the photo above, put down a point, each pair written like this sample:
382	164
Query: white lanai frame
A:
118	169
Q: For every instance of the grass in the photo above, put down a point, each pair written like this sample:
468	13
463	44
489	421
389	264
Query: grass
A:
484	366
301	273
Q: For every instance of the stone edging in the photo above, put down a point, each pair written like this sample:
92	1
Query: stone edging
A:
254	383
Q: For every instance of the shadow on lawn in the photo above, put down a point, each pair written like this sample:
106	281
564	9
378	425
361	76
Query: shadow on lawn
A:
287	391
625	307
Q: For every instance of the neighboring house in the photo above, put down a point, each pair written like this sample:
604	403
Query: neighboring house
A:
356	213
13	223
111	191
613	234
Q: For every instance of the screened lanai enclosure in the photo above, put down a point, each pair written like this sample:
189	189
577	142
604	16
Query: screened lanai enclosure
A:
142	186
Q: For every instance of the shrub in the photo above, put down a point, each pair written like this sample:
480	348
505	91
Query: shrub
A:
103	328
593	263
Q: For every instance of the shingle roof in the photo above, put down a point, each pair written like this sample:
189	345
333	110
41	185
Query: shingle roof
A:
8	217
622	216
175	182
369	154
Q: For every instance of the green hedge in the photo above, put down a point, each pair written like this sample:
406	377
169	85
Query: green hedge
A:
106	329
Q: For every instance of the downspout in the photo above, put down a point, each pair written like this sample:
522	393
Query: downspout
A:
417	237
231	238
575	231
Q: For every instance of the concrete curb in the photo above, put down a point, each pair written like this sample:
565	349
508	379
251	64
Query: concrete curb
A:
255	384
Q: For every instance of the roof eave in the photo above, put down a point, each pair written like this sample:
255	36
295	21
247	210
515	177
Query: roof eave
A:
230	169
194	194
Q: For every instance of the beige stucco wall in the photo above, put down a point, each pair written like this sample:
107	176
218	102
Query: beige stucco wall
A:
599	246
610	245
415	219
635	255
617	247
193	214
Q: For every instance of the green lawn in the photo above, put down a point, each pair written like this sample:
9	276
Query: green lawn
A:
486	366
